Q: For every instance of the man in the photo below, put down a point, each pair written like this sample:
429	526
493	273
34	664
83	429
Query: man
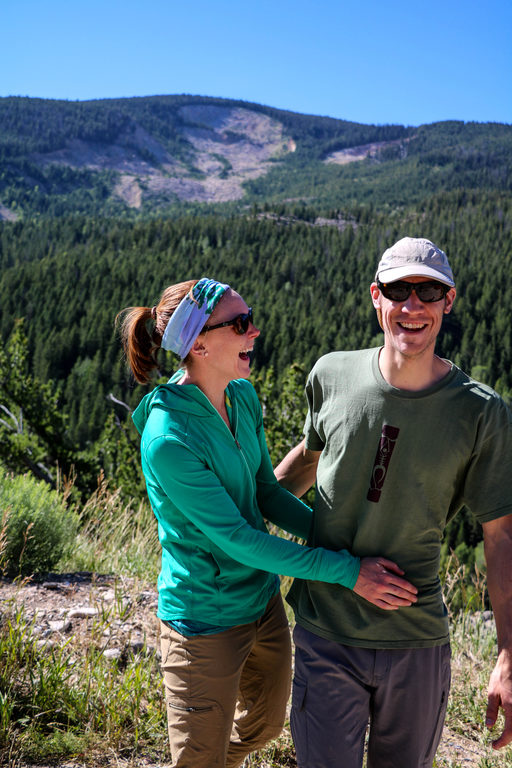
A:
399	440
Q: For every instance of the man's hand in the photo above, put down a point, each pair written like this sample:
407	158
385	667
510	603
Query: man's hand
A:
380	583
499	694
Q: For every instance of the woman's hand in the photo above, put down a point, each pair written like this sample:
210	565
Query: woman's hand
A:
380	583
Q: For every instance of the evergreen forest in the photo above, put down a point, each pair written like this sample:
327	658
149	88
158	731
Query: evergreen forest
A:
301	247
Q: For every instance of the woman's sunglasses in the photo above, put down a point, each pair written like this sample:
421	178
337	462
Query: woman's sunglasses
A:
427	292
240	323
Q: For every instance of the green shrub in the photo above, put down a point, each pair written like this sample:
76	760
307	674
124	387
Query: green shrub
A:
37	527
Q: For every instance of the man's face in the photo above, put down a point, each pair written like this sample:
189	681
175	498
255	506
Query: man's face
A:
411	327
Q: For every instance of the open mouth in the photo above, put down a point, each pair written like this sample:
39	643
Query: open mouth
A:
414	327
245	355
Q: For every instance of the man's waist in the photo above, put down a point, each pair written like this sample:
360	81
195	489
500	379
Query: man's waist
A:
338	614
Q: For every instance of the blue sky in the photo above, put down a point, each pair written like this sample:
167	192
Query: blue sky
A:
371	61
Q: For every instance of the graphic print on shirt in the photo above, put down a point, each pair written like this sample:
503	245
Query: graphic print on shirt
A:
385	448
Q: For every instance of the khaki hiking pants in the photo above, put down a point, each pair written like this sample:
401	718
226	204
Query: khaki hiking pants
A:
226	693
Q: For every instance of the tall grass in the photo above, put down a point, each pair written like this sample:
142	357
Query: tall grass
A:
70	703
115	537
70	700
62	701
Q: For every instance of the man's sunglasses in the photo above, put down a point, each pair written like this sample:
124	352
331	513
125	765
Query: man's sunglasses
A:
240	323
427	292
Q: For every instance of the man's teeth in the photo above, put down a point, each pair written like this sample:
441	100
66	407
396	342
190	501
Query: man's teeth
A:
413	326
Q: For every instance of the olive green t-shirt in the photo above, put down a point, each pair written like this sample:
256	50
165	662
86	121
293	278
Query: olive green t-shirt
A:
395	466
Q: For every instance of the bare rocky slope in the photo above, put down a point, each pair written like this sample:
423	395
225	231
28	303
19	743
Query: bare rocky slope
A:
221	146
227	146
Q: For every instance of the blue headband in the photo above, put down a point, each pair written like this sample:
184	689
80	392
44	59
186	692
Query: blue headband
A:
190	316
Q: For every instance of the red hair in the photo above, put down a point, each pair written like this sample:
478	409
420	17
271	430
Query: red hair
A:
142	344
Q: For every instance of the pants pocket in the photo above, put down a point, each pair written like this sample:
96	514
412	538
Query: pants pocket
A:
443	702
184	707
197	736
298	721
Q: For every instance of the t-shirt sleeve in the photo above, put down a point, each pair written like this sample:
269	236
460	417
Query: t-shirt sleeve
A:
314	440
488	481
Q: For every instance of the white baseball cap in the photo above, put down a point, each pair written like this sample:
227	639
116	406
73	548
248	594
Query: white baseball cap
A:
411	257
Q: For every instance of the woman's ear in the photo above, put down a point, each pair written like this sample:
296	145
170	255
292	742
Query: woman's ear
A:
198	349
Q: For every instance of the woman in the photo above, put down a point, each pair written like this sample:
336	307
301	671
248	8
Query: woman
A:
224	634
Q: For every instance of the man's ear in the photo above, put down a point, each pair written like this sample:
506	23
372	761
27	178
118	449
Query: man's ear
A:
448	301
375	293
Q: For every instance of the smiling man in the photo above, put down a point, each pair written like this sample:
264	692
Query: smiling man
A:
398	440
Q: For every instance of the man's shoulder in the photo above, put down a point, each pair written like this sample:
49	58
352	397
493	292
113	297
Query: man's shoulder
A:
332	362
477	389
477	403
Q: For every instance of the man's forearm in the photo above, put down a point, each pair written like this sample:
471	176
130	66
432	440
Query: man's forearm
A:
498	555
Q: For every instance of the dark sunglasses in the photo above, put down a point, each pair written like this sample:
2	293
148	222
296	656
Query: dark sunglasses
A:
240	323
400	290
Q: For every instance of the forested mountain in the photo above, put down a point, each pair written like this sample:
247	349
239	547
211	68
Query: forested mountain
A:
165	155
308	284
104	203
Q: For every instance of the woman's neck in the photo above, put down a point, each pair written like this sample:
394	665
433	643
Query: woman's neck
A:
213	390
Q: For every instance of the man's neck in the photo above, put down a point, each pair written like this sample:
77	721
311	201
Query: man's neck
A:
412	373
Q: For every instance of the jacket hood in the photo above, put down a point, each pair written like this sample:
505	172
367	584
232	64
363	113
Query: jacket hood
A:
173	397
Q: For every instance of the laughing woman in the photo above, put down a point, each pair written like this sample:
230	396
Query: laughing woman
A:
224	634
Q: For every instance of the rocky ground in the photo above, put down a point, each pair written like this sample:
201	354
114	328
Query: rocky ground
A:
69	605
65	605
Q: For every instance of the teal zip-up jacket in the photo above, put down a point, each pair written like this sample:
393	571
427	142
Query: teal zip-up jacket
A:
210	489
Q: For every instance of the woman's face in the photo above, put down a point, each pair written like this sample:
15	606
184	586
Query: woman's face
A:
228	351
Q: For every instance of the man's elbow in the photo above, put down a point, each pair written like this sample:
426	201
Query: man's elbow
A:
297	471
291	465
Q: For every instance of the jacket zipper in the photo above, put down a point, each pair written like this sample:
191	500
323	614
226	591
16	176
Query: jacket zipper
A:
233	436
235	420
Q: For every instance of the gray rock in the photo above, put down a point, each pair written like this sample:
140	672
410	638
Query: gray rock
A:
82	613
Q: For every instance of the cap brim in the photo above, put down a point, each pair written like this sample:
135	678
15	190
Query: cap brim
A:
413	270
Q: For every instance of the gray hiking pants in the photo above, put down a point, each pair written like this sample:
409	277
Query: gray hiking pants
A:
339	689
